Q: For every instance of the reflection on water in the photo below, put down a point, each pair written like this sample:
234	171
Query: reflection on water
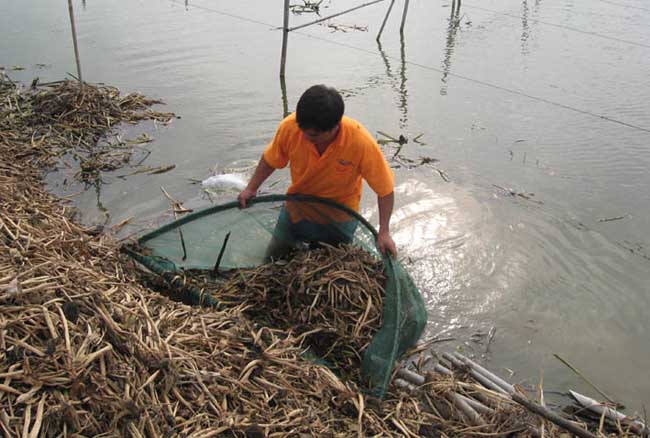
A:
525	26
453	25
285	100
398	84
525	31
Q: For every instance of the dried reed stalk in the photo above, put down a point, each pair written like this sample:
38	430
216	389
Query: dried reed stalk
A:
86	350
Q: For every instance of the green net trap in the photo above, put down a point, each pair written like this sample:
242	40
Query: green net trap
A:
221	240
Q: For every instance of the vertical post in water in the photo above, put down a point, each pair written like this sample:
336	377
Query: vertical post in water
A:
406	8
390	7
285	38
76	48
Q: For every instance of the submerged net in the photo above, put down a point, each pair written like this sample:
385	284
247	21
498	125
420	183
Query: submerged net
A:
301	264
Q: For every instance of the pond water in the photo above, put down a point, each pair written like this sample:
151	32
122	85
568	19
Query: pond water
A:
532	225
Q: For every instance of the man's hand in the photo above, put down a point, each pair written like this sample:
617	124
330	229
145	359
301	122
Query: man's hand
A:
262	171
245	196
385	244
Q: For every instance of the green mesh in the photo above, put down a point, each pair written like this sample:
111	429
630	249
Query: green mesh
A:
226	237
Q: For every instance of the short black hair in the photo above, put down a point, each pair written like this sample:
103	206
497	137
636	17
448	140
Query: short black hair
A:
320	107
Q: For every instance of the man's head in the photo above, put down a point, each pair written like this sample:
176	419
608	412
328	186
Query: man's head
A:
320	108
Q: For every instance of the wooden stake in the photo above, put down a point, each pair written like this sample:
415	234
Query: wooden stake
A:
285	38
552	417
76	48
406	8
390	7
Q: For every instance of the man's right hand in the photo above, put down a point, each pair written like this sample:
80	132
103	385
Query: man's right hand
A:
245	196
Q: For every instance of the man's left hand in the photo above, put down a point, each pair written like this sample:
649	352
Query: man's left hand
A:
385	244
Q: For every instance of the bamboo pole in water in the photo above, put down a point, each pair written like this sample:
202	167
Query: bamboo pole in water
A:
285	38
406	8
381	29
74	41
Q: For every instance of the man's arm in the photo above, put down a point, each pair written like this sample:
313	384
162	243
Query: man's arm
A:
384	240
262	172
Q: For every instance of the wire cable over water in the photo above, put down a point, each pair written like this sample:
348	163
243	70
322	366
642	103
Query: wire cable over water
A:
464	77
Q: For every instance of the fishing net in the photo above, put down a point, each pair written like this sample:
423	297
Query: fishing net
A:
297	246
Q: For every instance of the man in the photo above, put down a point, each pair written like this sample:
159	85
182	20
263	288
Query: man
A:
328	154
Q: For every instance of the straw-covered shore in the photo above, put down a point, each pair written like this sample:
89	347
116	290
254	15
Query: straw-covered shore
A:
86	350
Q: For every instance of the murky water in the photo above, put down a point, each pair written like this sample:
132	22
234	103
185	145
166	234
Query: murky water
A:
535	220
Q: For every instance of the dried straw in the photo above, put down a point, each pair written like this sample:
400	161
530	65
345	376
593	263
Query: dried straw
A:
86	350
331	298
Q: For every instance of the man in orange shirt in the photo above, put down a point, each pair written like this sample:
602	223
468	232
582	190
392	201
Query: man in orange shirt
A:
328	154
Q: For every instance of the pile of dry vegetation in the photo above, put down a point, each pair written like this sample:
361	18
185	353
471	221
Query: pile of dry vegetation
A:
86	350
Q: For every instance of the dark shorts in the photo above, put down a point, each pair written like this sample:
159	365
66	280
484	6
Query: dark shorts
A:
292	234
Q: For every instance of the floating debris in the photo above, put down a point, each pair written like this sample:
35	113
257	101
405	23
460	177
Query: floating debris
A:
516	194
307	6
345	28
612	219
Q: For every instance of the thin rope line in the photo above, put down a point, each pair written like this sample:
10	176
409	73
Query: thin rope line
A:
561	26
227	14
625	6
488	84
430	68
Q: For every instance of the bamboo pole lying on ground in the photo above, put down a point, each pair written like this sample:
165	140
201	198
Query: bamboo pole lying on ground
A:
496	379
611	414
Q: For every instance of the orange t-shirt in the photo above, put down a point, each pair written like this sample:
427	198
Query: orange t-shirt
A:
338	173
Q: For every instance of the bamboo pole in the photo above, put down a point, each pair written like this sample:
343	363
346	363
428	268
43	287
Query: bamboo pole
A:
525	402
411	376
496	379
533	407
406	8
552	417
390	8
599	408
336	15
473	416
76	48
484	380
285	38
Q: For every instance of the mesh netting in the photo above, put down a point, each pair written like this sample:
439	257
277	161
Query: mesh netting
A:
224	238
